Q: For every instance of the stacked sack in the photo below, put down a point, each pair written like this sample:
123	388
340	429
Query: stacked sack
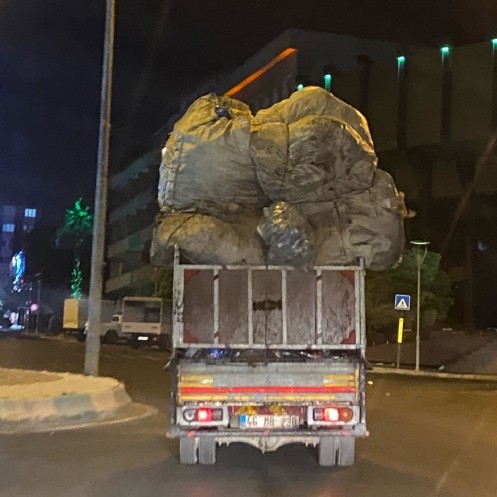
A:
296	184
208	192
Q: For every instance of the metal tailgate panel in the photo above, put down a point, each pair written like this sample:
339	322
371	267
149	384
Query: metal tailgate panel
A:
233	311
198	297
266	304
267	308
301	307
339	313
272	382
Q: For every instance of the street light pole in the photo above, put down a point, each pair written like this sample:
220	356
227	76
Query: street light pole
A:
420	257
92	346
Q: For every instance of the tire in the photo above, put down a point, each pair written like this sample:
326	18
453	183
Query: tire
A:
207	450
188	447
327	451
346	451
163	343
133	343
81	337
111	336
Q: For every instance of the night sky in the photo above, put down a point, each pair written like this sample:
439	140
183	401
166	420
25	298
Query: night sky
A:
50	70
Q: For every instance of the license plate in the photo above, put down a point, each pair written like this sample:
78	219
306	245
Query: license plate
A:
271	422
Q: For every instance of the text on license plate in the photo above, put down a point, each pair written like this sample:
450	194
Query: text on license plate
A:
261	421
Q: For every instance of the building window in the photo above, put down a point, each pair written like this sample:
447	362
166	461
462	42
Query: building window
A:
29	212
8	228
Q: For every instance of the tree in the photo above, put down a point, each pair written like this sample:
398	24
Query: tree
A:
381	287
77	229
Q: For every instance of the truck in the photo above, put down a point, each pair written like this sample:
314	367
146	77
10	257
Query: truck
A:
146	321
110	332
268	356
75	315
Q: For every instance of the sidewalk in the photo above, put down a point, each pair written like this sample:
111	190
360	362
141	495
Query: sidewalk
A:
45	401
446	351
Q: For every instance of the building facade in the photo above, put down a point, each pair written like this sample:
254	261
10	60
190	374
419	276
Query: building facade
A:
16	222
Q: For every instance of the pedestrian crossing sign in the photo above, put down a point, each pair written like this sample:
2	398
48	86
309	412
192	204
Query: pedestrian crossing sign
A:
402	302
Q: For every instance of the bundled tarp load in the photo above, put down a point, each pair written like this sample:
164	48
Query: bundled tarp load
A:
312	147
206	162
209	196
297	184
288	236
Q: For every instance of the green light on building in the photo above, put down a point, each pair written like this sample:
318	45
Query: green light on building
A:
494	42
300	87
401	60
327	82
445	50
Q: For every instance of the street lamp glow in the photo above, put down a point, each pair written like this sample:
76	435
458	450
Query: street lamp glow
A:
445	50
420	257
300	87
401	59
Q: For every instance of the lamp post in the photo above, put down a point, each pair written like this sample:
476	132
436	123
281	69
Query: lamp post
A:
92	345
420	257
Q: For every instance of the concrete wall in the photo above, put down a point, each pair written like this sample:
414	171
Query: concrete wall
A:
472	82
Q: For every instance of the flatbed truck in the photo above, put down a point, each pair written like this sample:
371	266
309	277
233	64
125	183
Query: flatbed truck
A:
268	356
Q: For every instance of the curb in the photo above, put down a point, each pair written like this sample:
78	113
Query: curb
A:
432	374
131	412
38	400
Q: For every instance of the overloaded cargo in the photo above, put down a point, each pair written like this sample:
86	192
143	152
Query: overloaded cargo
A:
297	184
269	221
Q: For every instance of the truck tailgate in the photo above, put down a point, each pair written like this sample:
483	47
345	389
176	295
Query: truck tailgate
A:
268	383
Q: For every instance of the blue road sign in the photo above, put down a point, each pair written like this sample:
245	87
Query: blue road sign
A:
402	302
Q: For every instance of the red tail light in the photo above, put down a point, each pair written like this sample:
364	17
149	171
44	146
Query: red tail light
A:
346	414
203	414
333	414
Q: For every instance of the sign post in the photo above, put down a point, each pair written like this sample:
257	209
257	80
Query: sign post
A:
399	339
402	303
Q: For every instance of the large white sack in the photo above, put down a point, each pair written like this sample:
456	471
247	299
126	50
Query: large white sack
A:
367	224
207	159
315	101
312	147
206	239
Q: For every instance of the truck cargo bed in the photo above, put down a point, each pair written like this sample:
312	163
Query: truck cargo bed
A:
268	307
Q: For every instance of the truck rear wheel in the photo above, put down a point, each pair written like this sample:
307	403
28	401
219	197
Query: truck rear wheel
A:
346	451
164	343
327	451
133	343
188	447
207	450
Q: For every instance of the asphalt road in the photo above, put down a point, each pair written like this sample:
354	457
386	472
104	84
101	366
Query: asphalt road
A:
428	438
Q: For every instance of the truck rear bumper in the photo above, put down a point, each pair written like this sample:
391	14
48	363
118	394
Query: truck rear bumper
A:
268	441
176	431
